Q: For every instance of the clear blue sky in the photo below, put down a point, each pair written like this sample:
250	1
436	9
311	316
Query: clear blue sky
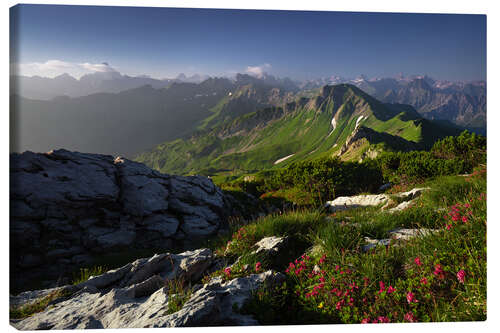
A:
162	42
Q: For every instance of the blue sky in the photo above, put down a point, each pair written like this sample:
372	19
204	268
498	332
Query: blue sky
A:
162	42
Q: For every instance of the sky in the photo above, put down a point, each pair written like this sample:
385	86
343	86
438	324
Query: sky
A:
49	40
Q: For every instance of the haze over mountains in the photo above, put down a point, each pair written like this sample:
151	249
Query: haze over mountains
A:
134	120
111	113
111	81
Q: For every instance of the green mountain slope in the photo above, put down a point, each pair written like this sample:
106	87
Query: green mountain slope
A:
246	97
340	120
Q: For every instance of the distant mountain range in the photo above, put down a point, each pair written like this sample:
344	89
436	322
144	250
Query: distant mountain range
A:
463	103
45	88
340	120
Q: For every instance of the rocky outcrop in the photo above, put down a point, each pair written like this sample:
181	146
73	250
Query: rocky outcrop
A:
276	251
68	207
399	234
362	135
345	203
136	296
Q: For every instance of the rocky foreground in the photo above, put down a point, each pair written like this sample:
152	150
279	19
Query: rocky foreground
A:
66	208
136	295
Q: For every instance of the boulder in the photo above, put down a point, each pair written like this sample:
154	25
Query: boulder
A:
406	234
372	200
402	206
344	203
398	234
275	251
214	304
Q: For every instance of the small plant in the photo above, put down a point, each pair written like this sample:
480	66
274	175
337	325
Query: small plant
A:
179	293
86	273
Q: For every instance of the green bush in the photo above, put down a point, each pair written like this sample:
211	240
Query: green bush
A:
449	156
325	178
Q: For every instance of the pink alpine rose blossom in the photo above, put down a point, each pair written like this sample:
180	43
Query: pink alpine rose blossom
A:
410	297
257	266
409	317
461	276
418	261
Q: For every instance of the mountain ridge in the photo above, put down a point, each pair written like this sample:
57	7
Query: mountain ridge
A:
303	129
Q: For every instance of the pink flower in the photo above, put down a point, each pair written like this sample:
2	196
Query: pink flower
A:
464	219
365	321
418	262
382	319
448	226
390	289
410	297
382	287
461	276
257	266
409	317
423	280
322	259
438	271
227	271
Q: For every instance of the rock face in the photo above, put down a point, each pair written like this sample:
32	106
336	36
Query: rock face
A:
135	296
68	207
362	135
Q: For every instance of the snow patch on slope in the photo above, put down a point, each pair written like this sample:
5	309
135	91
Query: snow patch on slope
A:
282	159
334	124
360	118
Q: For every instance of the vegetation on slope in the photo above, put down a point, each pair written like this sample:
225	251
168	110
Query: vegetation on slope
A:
439	277
315	181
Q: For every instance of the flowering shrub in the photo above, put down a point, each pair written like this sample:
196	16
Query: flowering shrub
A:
242	240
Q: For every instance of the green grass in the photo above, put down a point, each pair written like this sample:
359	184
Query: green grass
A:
179	293
24	311
86	273
296	224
